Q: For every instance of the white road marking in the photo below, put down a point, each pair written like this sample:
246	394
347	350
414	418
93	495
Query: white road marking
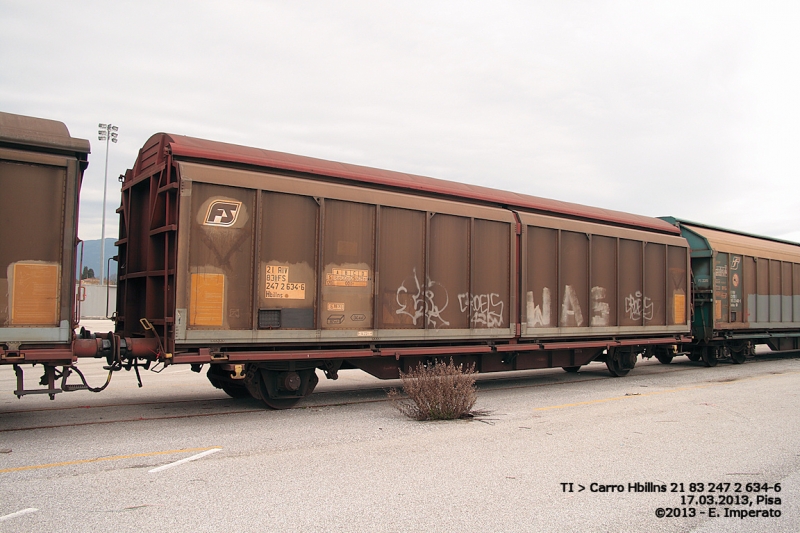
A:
192	458
18	513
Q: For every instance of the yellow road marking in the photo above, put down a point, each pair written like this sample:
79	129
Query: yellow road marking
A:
654	393
111	458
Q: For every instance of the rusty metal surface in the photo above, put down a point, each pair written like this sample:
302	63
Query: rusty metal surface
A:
489	301
287	280
402	284
57	355
542	278
655	284
678	297
574	280
30	189
348	266
751	281
742	243
427	351
449	271
391	268
604	281
630	283
266	264
591	277
188	147
41	168
221	257
423	262
148	254
616	342
49	135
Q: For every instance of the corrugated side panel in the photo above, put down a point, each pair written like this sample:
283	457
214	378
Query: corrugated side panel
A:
221	257
31	247
590	279
266	262
752	279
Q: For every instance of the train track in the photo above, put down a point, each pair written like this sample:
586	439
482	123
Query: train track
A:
341	397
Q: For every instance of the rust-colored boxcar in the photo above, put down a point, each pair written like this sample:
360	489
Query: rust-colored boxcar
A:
585	279
41	167
268	265
746	292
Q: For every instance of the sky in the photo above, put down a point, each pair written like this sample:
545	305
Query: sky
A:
688	109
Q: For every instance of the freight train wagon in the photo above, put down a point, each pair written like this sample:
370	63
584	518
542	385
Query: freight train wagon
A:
41	167
267	266
746	292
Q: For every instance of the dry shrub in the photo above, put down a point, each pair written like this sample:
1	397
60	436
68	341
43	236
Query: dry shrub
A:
441	391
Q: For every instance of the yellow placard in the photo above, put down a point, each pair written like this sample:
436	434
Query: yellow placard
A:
34	294
347	277
279	286
207	300
679	308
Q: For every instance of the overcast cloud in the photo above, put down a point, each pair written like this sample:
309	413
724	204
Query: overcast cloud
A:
687	109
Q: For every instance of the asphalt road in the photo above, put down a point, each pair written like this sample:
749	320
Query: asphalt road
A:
346	460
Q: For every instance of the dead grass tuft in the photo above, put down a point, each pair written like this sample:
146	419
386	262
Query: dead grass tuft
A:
441	391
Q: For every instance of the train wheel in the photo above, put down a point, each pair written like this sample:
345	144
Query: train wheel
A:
283	390
235	391
738	357
221	380
571	369
709	356
620	362
664	356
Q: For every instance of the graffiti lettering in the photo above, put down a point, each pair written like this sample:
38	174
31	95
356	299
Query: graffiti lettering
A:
571	314
538	316
423	302
600	308
635	309
487	309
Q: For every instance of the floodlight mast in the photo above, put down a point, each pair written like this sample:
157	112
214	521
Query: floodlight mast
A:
107	132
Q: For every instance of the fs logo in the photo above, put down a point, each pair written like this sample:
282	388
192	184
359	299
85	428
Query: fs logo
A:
222	213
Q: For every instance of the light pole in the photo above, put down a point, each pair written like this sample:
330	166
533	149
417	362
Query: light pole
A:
107	132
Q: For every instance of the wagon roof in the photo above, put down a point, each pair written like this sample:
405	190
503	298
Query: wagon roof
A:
714	239
189	147
21	131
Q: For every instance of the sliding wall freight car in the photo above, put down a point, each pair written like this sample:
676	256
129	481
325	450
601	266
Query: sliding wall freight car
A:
267	266
746	292
41	168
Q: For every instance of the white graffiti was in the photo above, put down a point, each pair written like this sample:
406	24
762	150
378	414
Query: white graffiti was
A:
571	311
487	309
636	307
423	301
538	316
